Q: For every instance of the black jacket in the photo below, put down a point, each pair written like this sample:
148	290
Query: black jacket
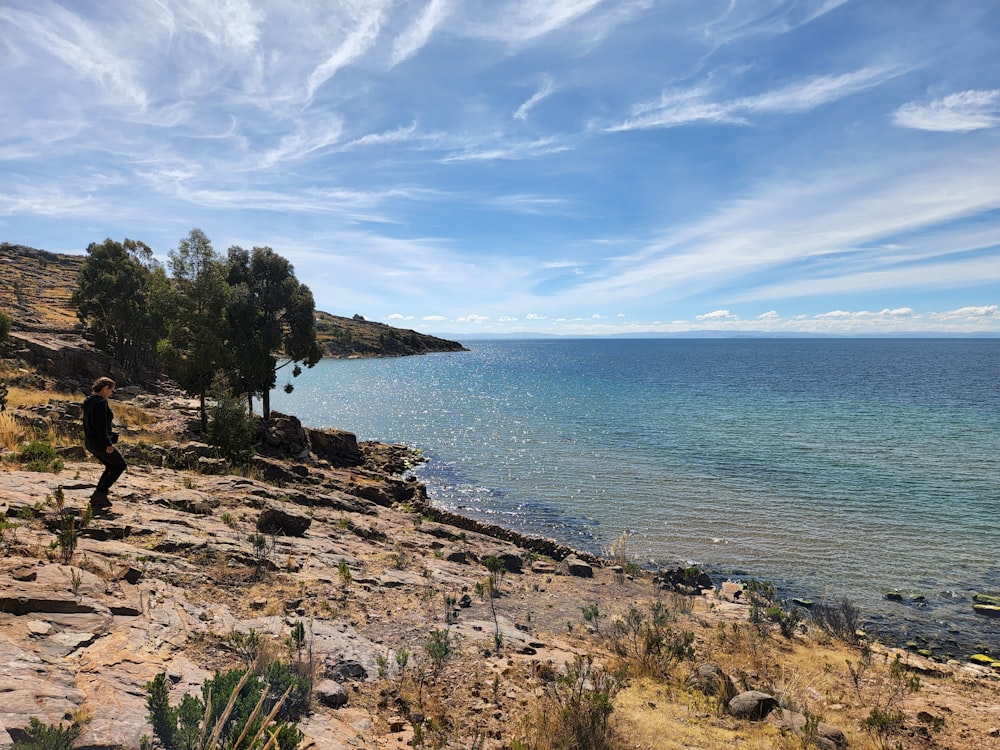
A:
98	422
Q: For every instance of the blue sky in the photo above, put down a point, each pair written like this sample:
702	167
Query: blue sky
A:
569	166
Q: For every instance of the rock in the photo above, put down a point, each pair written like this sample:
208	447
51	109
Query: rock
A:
894	596
826	736
733	591
982	660
986	599
987	610
690	581
752	705
278	521
709	679
511	558
338	447
346	671
330	693
574	566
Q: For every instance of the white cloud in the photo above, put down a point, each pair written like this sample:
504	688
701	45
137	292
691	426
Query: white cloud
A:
434	318
956	113
412	39
717	315
990	312
357	42
697	104
544	91
477	319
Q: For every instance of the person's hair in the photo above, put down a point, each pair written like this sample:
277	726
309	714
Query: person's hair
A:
103	382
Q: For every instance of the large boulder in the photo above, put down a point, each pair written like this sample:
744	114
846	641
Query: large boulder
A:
752	705
825	736
574	566
338	447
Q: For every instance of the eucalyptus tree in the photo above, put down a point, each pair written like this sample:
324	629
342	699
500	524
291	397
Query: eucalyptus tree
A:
272	322
120	298
195	347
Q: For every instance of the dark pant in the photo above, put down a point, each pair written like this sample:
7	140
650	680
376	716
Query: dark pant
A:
114	465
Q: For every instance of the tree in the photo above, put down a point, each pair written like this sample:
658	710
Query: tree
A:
195	346
272	321
119	297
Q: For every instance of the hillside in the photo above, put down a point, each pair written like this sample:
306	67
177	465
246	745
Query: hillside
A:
35	289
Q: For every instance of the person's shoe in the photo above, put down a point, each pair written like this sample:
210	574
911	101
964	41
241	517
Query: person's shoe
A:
99	500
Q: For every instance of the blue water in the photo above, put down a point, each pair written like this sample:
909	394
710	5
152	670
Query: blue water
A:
830	467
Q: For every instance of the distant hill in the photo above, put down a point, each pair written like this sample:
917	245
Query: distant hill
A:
35	289
357	337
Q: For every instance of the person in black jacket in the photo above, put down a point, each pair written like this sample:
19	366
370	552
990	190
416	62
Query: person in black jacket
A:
99	438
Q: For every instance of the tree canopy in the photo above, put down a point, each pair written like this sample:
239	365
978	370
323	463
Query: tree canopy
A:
245	316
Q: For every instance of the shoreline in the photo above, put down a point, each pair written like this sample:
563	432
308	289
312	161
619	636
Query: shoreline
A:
893	628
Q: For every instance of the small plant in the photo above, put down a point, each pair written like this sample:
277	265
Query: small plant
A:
67	526
263	552
345	571
43	736
438	649
497	569
246	645
592	615
227	518
450	613
883	687
8	536
230	428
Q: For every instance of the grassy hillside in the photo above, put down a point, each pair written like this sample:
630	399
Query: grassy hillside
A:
35	289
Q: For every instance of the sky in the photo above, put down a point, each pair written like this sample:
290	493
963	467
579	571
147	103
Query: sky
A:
594	167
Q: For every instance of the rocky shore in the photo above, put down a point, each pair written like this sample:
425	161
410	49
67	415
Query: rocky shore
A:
334	535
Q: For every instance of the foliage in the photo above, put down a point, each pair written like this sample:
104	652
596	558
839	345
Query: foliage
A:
120	299
270	311
47	736
839	619
67	525
765	610
883	686
39	455
231	428
649	646
238	710
195	346
575	713
438	649
5	326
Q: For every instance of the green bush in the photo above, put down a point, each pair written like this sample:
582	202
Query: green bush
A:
239	709
5	326
231	429
38	455
47	736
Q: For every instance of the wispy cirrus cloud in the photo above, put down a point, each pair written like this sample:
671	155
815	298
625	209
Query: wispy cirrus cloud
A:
962	112
699	105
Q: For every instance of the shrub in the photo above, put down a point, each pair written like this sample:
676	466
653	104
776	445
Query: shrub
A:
38	455
241	710
574	714
649	646
839	619
5	326
231	429
47	736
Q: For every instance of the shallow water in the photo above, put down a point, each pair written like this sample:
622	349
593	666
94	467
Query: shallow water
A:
830	467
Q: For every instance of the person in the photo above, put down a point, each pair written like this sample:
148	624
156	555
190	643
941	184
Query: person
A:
99	438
